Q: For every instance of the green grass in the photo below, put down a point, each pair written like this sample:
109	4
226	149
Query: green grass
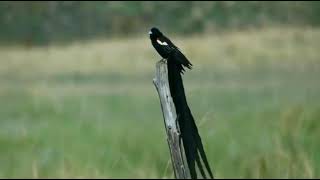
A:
91	110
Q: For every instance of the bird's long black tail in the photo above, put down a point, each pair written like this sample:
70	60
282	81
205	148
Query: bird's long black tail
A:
189	132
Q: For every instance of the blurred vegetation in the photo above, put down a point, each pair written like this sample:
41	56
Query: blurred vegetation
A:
86	110
46	22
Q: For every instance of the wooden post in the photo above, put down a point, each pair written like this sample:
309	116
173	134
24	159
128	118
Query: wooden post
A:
161	83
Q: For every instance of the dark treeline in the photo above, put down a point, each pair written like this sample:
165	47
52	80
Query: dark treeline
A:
55	21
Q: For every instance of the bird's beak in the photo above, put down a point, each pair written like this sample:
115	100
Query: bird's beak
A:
150	32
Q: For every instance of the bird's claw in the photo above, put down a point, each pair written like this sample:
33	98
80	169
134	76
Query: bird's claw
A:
162	60
177	125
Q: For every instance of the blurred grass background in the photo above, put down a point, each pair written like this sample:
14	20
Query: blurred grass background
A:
88	109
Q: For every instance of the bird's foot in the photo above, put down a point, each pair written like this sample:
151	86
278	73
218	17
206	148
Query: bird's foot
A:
177	125
162	60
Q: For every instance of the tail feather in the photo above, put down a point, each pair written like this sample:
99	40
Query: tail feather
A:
200	166
203	156
189	132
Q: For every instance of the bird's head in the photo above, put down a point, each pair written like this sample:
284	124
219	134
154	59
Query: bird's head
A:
154	32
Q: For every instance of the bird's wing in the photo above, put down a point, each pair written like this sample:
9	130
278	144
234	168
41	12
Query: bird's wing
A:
174	51
181	58
166	44
167	40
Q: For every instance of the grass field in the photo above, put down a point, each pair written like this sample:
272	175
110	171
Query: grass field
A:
90	109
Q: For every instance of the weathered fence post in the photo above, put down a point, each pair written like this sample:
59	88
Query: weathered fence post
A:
161	83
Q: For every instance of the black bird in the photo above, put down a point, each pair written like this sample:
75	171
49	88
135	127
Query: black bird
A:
189	132
168	50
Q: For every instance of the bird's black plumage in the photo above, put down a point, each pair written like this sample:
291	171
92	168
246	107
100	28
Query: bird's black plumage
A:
189	132
168	50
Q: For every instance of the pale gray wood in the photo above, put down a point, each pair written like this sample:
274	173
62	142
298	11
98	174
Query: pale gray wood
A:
161	83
